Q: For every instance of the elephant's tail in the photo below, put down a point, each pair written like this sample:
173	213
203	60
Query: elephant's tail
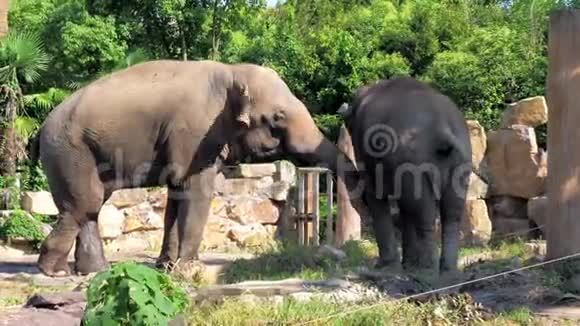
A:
453	148
33	148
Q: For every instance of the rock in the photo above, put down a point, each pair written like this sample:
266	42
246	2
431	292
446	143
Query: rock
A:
501	207
65	316
254	170
242	186
478	189
39	202
249	235
279	191
285	172
158	198
215	233
530	112
536	248
515	164
135	242
248	210
537	210
219	183
330	251
128	197
476	227
511	226
54	300
218	207
478	142
141	218
111	222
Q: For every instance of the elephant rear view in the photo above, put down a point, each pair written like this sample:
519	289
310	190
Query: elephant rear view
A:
414	147
164	123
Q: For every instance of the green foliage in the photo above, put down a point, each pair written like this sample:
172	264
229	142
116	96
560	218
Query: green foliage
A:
22	58
33	177
9	187
329	124
21	224
133	294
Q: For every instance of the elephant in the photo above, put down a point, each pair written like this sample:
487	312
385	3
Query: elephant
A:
412	144
164	123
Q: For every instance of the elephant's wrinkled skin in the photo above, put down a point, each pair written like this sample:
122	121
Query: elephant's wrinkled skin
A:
414	147
163	123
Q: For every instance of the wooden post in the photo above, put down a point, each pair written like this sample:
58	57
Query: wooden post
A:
309	202
348	223
563	83
4	7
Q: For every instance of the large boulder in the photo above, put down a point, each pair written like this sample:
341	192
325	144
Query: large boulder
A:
507	207
141	218
249	210
478	189
251	170
476	227
39	202
215	233
515	164
246	186
128	197
478	140
537	210
111	222
251	235
530	112
285	172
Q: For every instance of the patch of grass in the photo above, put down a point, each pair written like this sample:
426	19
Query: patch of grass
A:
521	316
455	310
289	260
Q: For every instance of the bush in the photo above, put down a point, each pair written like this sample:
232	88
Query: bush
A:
23	225
329	124
132	294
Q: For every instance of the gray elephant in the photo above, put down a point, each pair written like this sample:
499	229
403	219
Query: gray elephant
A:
163	123
413	144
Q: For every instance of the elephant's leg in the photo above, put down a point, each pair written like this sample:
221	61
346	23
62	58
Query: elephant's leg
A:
384	230
421	212
409	243
193	213
169	248
452	211
52	260
89	254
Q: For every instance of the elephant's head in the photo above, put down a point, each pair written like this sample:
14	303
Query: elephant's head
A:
275	123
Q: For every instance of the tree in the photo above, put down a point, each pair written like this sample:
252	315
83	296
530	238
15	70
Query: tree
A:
22	59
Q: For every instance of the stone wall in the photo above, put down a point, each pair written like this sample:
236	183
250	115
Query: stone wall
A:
507	190
249	202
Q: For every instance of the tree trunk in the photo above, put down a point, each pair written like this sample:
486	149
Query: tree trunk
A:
348	223
563	83
8	138
4	7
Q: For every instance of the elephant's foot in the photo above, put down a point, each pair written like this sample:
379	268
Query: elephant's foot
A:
389	263
89	266
52	266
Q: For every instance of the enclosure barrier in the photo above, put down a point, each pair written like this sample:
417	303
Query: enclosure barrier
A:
308	202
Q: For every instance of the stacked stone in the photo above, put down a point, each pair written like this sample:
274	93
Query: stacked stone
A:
249	201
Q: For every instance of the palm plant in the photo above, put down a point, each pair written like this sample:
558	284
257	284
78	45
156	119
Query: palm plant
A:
22	59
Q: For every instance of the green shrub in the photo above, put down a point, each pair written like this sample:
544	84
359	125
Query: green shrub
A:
23	225
132	294
329	124
33	178
10	184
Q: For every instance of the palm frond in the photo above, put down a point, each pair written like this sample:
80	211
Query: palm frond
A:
43	103
25	127
22	56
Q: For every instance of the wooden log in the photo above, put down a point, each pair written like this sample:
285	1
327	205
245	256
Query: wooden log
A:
563	83
348	222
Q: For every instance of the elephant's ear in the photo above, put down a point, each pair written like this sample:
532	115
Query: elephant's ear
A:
242	104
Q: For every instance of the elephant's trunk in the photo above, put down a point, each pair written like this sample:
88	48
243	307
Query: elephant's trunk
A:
326	154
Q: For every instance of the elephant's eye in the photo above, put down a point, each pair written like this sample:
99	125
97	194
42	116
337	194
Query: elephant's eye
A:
279	116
